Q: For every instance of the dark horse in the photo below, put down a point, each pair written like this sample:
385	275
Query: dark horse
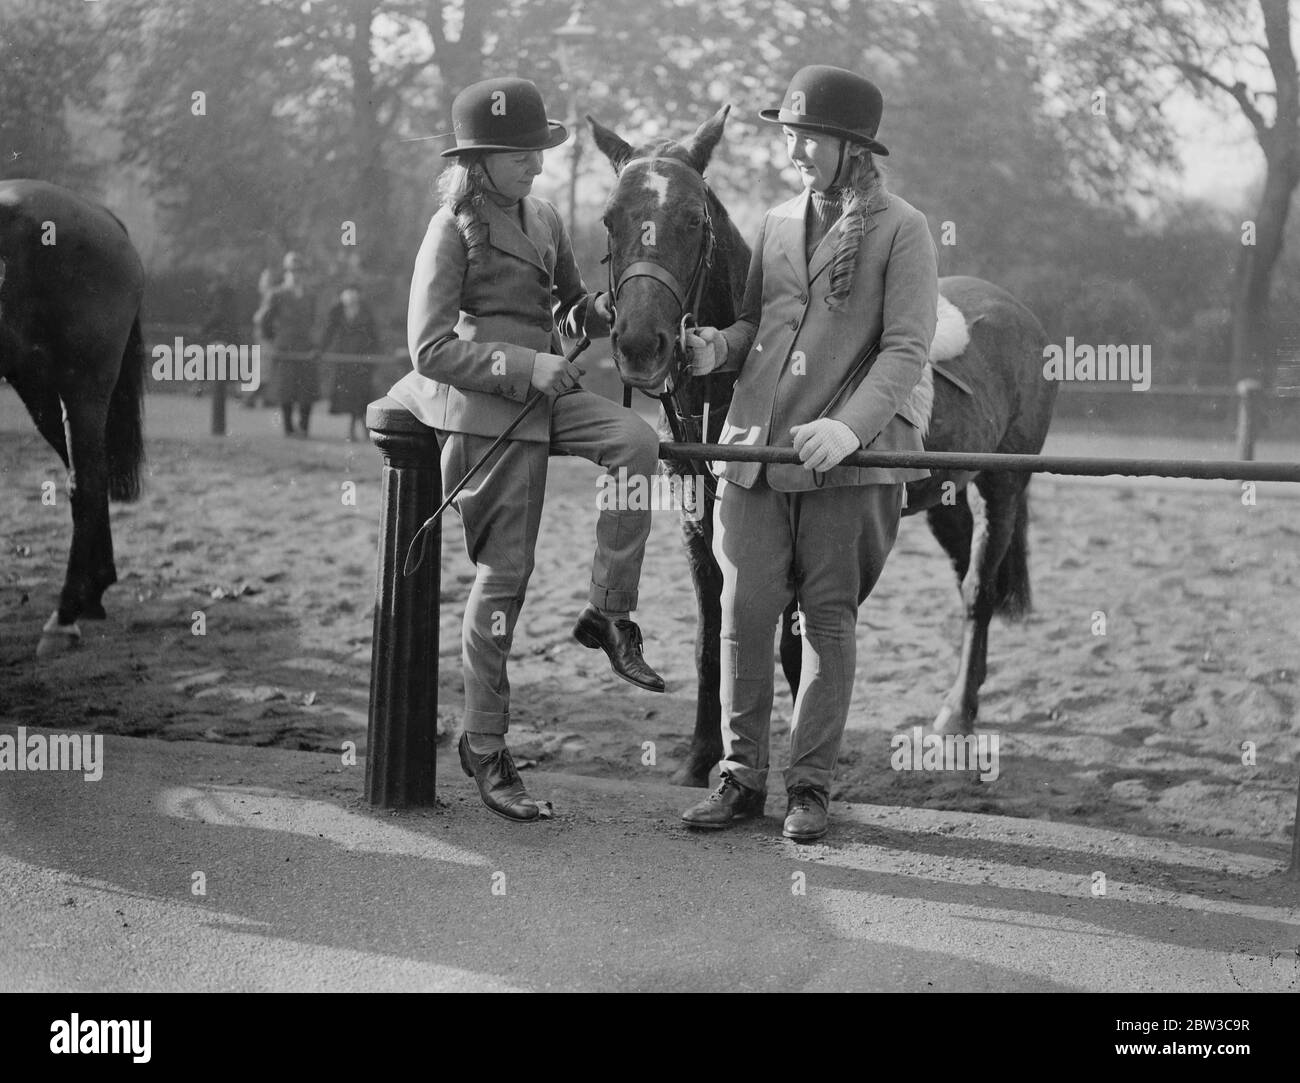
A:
71	284
988	395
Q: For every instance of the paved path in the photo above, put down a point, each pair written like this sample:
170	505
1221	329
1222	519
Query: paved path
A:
308	889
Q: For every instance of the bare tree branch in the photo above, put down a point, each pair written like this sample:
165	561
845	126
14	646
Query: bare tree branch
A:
1238	91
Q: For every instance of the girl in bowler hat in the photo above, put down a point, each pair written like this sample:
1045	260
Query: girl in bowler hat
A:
495	286
842	267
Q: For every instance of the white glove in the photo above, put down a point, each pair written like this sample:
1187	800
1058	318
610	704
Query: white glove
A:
708	350
822	444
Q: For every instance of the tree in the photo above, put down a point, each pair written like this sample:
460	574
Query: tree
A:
48	60
1138	54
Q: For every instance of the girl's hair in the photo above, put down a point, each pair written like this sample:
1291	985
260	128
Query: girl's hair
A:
865	182
460	187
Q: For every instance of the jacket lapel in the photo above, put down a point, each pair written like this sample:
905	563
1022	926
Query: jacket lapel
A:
825	251
790	235
505	233
539	233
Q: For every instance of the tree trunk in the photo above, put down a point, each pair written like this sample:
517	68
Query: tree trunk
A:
1253	355
460	62
370	197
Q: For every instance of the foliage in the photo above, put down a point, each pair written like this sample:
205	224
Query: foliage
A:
48	59
316	113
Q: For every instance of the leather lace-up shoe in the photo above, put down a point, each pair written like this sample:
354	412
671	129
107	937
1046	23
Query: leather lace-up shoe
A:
728	803
498	782
805	815
621	640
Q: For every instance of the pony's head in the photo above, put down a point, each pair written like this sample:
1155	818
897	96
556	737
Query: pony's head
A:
659	223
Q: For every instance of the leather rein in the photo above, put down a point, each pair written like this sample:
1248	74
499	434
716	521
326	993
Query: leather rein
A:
685	427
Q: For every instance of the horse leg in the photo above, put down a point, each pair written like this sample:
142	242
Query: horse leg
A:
993	506
42	402
706	742
90	561
791	647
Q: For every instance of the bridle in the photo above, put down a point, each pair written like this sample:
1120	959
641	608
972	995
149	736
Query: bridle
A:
685	427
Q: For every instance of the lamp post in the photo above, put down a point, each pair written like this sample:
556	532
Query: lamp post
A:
572	40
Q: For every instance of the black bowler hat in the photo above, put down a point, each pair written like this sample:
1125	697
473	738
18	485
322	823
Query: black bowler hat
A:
502	114
826	99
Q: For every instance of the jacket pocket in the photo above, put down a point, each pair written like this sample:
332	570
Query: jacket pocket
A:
908	413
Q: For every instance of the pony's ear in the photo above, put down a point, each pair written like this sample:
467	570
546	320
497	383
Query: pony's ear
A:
615	148
700	146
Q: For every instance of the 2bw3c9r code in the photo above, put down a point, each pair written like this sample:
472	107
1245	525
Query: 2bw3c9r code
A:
1150	1026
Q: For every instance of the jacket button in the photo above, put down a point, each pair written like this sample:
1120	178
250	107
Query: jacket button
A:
794	325
803	298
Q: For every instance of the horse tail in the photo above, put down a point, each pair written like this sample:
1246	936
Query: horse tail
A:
1011	596
124	433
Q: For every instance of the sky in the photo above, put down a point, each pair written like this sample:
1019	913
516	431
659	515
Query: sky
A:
1222	158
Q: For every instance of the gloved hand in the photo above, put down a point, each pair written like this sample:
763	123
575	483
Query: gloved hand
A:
602	307
553	374
708	350
822	444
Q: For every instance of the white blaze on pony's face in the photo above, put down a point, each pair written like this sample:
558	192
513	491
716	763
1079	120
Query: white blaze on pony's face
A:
657	183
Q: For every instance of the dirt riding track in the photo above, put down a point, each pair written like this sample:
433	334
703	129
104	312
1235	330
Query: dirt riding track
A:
1141	728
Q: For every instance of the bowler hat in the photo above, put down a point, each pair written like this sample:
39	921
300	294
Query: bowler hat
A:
502	114
832	100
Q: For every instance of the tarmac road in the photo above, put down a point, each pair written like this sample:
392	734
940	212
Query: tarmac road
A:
305	888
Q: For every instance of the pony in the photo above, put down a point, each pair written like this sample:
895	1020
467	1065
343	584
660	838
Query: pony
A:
984	385
71	285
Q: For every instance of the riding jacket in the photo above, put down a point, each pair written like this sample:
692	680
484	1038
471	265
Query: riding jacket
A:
474	327
794	352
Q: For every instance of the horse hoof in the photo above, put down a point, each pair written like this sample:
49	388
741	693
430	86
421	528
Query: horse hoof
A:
690	776
954	722
59	642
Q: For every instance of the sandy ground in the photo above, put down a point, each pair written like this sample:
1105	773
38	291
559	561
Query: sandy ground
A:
1141	728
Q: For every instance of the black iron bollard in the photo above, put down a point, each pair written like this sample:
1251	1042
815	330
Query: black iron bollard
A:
400	758
218	407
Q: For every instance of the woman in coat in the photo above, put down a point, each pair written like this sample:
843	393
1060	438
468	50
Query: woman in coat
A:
350	328
494	287
842	267
289	319
267	283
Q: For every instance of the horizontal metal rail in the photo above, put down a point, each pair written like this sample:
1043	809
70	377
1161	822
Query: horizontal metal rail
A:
343	358
1226	470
